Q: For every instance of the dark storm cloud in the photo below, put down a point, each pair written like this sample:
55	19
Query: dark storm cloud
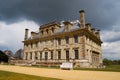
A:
99	13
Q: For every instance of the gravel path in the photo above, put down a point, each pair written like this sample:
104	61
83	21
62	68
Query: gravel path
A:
63	74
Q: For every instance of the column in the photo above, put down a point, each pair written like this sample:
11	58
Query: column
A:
28	57
43	55
24	55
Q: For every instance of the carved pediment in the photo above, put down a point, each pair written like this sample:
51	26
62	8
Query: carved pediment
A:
46	49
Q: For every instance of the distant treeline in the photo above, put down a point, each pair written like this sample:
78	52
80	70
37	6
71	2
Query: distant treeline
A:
110	62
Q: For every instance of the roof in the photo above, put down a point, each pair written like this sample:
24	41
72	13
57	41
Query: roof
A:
49	24
74	26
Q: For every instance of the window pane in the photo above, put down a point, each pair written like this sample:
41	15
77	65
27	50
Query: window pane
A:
59	41
76	54
67	39
46	55
76	39
51	55
52	42
36	56
67	55
40	55
59	54
46	43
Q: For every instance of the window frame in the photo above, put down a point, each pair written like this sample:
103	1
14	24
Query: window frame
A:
76	39
76	54
59	55
67	39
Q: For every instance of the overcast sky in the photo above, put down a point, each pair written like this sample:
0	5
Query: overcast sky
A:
16	15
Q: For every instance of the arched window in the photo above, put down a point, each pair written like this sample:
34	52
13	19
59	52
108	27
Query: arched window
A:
52	30
47	31
42	32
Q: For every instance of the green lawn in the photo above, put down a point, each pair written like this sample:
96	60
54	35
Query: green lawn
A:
112	68
4	75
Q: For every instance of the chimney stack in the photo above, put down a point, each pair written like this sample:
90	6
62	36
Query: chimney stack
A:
33	34
82	18
98	33
88	26
26	34
93	30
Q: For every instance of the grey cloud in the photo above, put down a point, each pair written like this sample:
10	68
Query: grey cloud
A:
99	13
110	36
111	55
115	39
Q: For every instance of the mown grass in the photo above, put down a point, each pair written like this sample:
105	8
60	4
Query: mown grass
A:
111	68
5	75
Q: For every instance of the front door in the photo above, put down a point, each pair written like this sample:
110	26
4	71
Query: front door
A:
46	55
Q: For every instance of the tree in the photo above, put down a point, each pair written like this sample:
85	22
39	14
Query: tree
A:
106	61
3	57
110	62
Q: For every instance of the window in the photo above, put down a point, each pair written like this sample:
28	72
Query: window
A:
26	46
52	30
76	54
41	44
46	43
76	39
31	45
47	31
59	41
36	44
67	39
51	54
52	42
42	32
59	54
67	55
46	55
40	55
31	56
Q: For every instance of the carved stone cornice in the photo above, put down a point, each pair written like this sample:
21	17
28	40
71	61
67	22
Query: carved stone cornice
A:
70	33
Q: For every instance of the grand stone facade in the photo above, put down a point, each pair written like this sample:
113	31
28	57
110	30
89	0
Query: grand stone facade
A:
67	41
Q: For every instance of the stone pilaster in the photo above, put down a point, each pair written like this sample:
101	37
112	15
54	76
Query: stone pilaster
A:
33	56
